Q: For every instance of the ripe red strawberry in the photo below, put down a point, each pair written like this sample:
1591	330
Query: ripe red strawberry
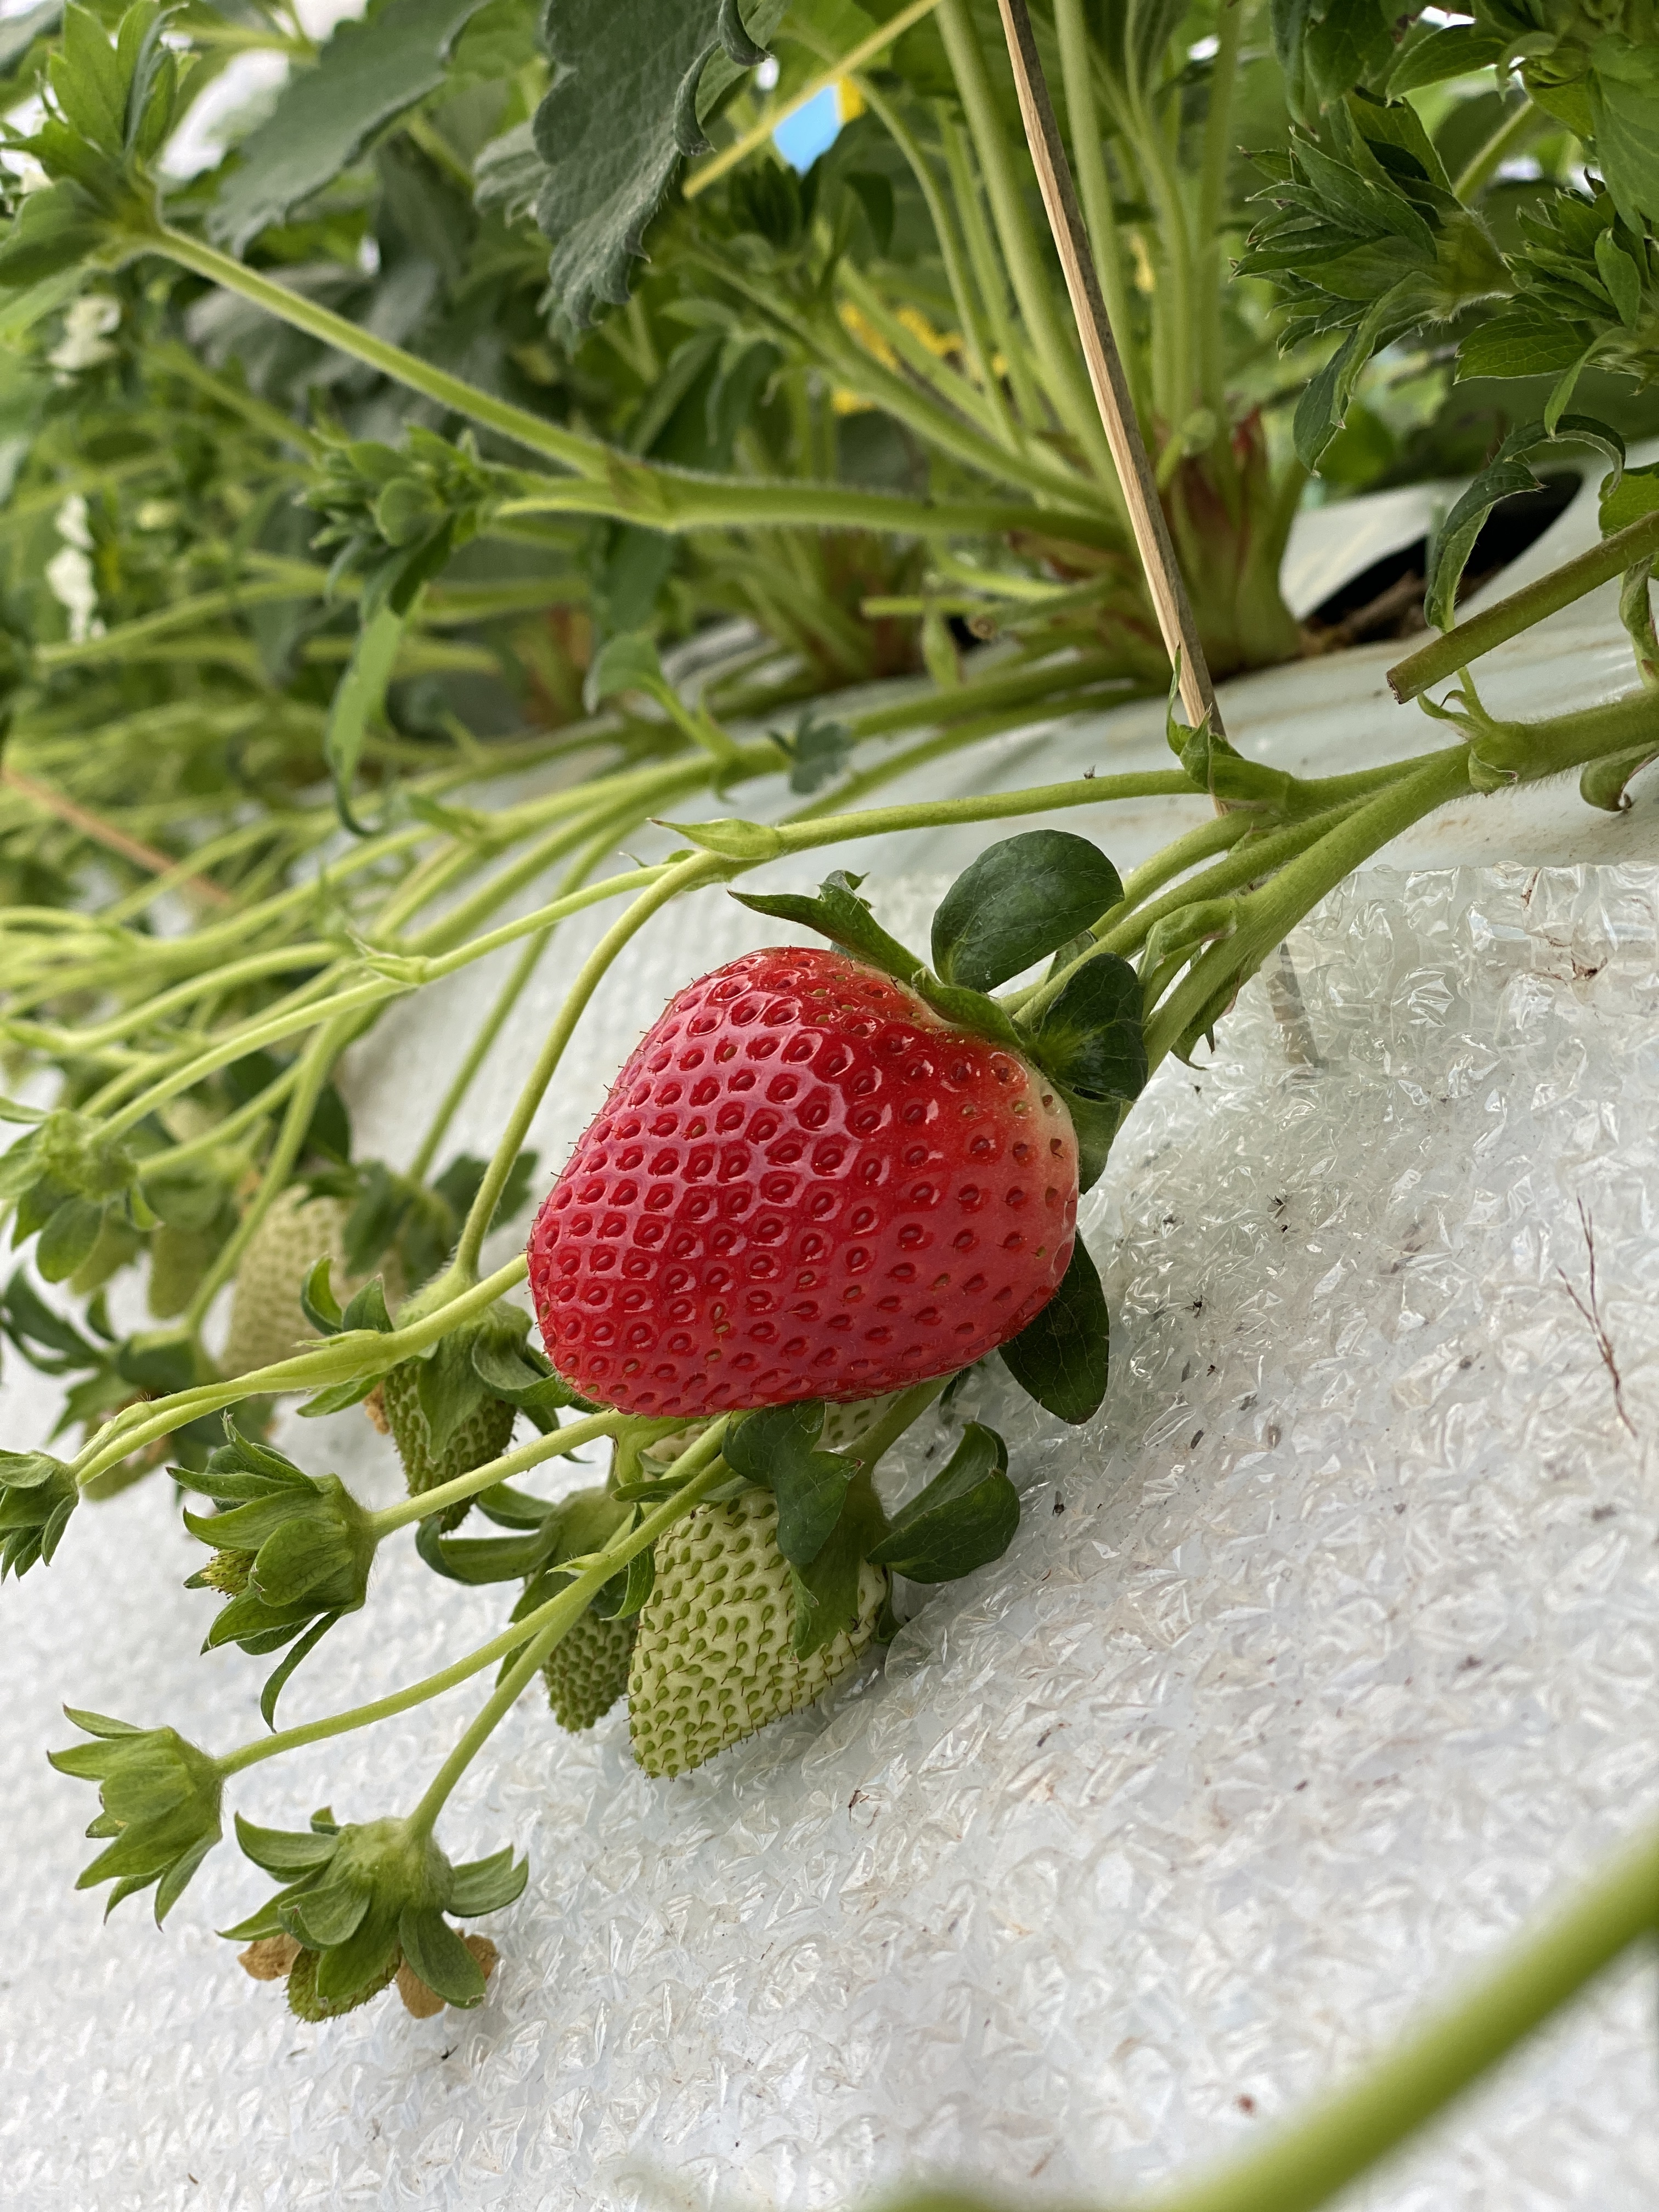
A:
805	1183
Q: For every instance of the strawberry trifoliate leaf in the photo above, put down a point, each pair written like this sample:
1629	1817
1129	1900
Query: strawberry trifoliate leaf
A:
368	75
625	108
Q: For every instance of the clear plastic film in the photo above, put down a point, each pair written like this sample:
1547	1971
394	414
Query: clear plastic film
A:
1322	1658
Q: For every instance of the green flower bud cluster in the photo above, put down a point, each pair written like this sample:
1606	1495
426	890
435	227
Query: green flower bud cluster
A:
161	1806
64	1175
290	1549
397	515
362	1900
38	1493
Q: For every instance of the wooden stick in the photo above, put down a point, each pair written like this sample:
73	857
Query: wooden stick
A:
100	832
1117	411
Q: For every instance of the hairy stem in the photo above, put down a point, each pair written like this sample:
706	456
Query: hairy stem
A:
1510	617
703	1470
1307	2163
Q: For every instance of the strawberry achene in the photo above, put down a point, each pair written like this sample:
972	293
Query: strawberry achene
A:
803	1184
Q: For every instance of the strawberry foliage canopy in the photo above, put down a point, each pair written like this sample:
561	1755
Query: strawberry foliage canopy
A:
479	480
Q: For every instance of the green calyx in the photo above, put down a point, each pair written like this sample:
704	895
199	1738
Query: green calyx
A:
38	1494
362	1899
307	1543
161	1805
1024	899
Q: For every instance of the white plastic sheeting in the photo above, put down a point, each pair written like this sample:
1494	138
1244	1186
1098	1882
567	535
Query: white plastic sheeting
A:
1322	1658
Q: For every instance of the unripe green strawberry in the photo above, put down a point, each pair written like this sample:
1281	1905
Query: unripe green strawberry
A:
586	1671
179	1258
714	1661
266	1320
482	1435
304	2003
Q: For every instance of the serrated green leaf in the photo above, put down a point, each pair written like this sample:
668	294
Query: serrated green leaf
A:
1019	900
366	77
1062	1358
1521	341
621	114
1453	50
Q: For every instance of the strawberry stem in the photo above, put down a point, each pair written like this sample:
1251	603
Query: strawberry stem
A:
699	1469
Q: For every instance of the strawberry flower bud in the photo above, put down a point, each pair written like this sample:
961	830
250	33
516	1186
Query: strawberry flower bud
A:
38	1493
161	1806
363	1900
290	1548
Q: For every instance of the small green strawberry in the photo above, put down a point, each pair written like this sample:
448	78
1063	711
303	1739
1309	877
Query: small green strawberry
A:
714	1660
482	1435
306	2002
586	1671
266	1321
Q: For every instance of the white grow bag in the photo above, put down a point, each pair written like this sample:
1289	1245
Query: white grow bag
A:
1322	1657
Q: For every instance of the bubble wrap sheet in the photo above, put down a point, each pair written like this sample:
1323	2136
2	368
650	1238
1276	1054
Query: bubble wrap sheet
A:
1325	1656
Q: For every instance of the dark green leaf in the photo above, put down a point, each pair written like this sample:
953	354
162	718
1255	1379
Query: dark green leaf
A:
1019	900
337	1397
1626	499
366	75
964	1519
277	1680
1061	1358
327	1915
777	1448
1456	50
625	1594
368	1310
1509	473
826	1591
1089	1035
1522	340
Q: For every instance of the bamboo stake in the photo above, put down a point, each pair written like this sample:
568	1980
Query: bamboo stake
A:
1111	387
